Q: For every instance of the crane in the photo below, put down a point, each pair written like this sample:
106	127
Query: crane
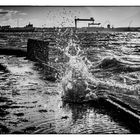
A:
91	19
93	24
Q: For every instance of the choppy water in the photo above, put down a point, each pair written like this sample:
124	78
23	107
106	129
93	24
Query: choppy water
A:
31	104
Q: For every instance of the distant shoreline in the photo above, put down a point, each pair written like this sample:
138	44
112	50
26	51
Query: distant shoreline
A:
80	29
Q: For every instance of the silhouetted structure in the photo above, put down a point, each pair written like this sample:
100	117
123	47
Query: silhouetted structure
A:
91	19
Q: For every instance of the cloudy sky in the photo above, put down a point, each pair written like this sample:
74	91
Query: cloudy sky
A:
64	16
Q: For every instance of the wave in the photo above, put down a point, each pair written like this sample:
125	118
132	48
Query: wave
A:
115	65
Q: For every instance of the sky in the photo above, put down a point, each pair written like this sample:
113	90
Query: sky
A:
64	16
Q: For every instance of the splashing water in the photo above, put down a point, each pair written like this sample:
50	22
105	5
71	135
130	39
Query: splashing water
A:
77	77
78	82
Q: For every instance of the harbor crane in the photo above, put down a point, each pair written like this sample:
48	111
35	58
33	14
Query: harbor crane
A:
91	19
93	24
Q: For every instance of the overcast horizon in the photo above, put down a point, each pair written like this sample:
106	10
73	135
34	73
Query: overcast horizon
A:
64	16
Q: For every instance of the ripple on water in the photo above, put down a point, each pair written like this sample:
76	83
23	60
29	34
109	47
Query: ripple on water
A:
30	104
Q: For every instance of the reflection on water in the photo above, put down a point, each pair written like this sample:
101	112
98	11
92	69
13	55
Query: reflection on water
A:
31	105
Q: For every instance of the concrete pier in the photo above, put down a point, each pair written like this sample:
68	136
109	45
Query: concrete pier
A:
37	50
